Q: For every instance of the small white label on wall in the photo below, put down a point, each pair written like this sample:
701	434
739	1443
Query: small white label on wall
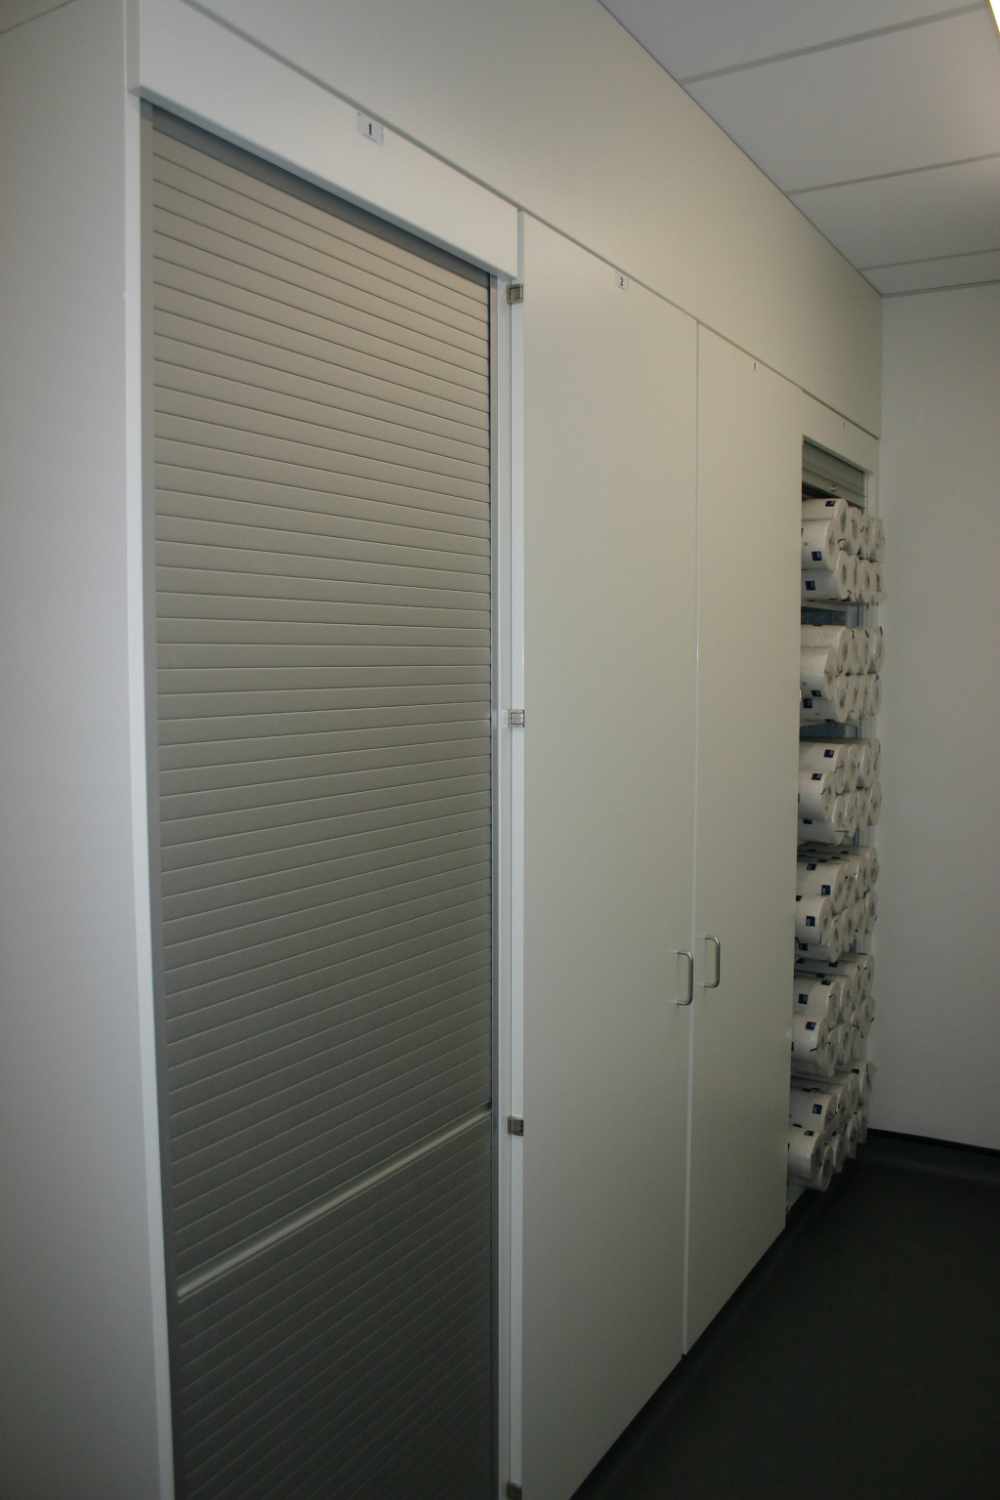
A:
370	129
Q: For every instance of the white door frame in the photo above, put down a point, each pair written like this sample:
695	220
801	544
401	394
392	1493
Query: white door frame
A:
508	532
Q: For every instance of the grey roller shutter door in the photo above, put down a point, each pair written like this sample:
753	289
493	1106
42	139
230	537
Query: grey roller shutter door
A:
322	831
826	472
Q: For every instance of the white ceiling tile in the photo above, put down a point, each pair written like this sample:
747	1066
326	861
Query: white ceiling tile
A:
698	36
926	275
907	99
947	211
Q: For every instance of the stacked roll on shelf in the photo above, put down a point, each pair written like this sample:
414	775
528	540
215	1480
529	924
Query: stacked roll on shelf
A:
839	798
840	791
839	670
841	552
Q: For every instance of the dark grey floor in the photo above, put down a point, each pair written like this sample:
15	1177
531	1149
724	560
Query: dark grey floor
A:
861	1361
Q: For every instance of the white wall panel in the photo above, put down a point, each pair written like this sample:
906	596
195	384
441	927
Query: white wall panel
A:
903	100
939	940
82	1302
552	105
700	38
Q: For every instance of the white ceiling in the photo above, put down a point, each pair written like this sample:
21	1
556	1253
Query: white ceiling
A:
879	118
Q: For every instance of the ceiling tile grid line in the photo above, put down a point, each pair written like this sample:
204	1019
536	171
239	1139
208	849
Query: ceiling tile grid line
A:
902	100
842	41
917	260
692	38
931	166
880	119
951	286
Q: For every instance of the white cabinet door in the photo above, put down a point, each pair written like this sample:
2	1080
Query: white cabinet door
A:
749	489
610	379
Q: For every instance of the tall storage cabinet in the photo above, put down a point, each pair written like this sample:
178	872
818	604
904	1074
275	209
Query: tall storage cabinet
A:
609	403
749	460
662	655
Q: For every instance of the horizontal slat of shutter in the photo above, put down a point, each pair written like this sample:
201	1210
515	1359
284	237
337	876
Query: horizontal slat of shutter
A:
825	471
323	648
207	173
297	364
284	1359
186	365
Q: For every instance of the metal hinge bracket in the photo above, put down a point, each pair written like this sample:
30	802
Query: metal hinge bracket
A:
516	718
515	293
515	1125
514	1491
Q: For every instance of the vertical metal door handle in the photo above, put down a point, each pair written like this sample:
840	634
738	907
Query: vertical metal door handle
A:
711	938
686	953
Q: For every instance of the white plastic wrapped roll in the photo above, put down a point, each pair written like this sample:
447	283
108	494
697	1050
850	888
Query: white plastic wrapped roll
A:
813	1049
864	582
851	577
818	669
846	969
851	918
863	966
840	1042
814	919
810	1159
855	975
874	809
848	1085
816	794
838	1145
862	1084
830	583
868	864
836	510
831	950
854	765
819	997
863	761
872	695
876	647
845	812
822	833
816	877
852	1135
863	868
871	909
832	707
821	541
877	582
829	756
835	637
877	537
855	699
813	1109
857	653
